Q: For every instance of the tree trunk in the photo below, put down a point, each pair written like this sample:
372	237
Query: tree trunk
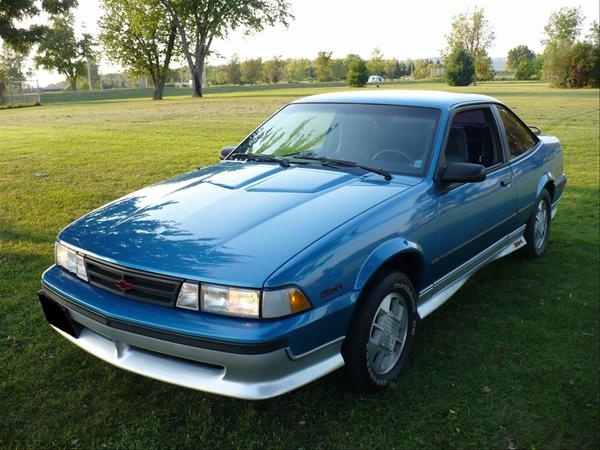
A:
199	69
197	84
72	83
159	87
201	50
159	75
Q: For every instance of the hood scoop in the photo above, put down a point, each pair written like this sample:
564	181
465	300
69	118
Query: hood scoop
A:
301	180
235	176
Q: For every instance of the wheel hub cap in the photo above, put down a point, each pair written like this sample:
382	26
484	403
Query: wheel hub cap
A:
388	334
540	228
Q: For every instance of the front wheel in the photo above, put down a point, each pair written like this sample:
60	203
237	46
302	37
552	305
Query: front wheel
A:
537	230
381	334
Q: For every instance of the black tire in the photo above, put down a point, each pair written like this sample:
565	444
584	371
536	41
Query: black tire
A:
535	246
362	374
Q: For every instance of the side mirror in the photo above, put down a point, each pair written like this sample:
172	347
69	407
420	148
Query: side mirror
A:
226	151
536	130
459	172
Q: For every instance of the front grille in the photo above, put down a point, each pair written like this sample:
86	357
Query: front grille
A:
137	285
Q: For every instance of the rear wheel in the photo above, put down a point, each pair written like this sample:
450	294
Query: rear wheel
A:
537	230
381	334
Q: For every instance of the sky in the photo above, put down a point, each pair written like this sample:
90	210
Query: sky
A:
400	28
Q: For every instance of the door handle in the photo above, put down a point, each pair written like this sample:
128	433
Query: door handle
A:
506	181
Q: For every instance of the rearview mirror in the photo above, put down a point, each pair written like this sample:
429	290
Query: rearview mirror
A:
226	151
460	172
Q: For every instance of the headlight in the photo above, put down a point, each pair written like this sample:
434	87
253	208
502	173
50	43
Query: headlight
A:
230	301
70	260
283	302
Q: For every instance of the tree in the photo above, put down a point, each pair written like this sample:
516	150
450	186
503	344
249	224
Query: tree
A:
252	71
323	66
564	25
594	34
338	69
460	68
538	67
392	70
274	69
140	36
594	38
474	34
297	69
583	61
484	68
422	69
13	13
562	31
60	50
520	62
376	64
404	69
349	60
215	75
200	22
357	74
12	63
233	71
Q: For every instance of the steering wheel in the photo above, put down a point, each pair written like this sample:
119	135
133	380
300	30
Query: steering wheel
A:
394	151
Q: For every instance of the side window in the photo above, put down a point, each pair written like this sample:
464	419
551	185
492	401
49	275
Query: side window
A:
473	138
518	136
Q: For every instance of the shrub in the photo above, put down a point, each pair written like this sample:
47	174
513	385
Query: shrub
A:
358	74
460	68
584	60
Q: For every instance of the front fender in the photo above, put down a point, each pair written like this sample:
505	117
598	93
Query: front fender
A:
383	253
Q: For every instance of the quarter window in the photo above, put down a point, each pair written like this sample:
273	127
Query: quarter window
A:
518	136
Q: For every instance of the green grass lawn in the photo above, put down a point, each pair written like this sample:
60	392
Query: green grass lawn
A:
512	361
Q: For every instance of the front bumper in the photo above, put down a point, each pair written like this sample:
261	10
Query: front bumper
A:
252	374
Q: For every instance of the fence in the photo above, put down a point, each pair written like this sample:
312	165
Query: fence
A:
20	93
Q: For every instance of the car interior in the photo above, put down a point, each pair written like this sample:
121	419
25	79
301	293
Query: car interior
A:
388	142
473	139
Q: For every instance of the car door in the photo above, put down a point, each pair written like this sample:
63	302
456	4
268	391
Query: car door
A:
472	217
527	164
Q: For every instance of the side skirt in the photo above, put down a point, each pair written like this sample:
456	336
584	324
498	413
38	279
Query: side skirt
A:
435	295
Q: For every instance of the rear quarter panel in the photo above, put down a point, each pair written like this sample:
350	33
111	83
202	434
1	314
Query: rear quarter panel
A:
534	170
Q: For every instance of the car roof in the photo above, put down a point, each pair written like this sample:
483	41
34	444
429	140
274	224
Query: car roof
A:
431	99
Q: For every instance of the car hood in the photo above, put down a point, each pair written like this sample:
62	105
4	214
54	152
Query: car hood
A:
231	223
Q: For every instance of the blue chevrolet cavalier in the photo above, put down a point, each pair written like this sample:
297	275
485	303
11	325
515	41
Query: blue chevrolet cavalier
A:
318	242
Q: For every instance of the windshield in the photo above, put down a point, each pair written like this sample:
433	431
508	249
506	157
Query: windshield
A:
398	139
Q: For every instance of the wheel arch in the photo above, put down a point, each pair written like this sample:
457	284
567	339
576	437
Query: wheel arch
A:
398	254
546	182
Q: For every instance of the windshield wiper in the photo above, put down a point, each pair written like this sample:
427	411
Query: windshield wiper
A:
259	157
303	154
343	163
